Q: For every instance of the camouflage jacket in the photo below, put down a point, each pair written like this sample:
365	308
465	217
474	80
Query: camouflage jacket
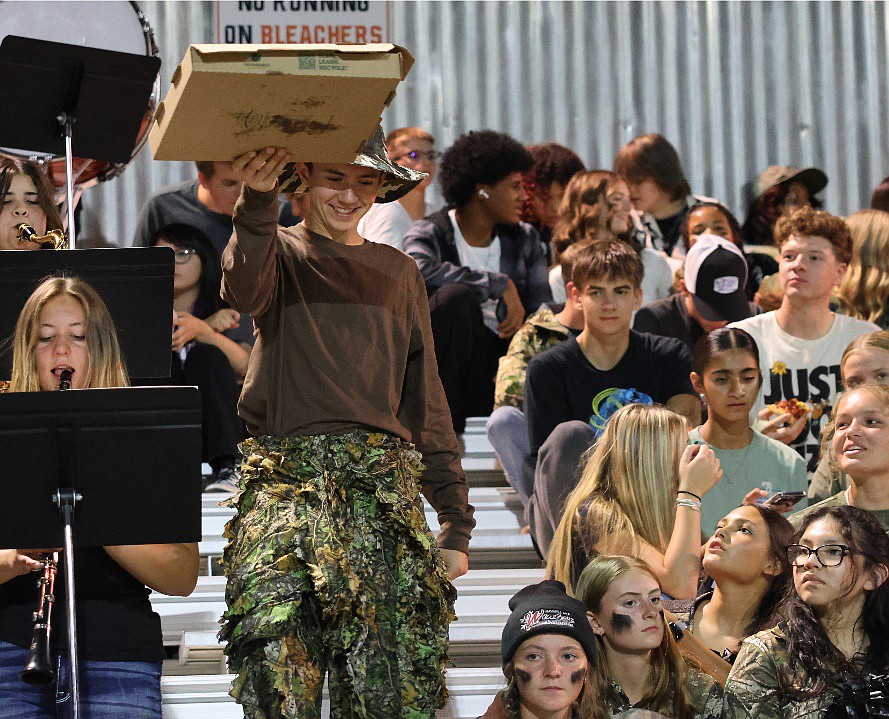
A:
540	332
704	691
753	682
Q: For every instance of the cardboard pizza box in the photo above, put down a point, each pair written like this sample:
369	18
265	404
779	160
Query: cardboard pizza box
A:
321	102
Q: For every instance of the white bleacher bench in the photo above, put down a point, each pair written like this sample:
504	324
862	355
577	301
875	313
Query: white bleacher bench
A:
497	541
206	697
481	607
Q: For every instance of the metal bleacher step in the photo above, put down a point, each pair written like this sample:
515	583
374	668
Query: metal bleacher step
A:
191	623
497	540
206	697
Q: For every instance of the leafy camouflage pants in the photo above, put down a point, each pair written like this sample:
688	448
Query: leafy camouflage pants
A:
332	570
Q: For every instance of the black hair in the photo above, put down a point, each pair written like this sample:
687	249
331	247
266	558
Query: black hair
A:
765	211
780	534
722	340
484	157
812	660
684	228
190	237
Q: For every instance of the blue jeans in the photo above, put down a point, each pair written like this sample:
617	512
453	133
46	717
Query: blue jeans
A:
108	690
507	431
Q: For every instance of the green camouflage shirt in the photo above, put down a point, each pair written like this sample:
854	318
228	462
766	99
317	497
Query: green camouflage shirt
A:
753	682
704	691
540	332
837	500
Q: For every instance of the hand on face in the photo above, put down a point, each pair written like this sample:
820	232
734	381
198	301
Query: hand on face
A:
550	670
699	469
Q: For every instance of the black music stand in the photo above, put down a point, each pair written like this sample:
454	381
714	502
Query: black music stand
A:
132	456
136	285
50	86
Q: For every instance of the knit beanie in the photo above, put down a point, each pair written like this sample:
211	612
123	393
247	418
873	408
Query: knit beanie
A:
546	608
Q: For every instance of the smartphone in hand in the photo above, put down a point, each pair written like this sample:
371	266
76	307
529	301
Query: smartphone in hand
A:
783	498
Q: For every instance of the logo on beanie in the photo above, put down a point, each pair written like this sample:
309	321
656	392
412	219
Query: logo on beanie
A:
546	617
725	285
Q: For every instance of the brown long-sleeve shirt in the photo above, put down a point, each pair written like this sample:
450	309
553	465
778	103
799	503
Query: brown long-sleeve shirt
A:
344	342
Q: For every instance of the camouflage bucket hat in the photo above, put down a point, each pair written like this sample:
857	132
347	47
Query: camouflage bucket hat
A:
397	180
813	178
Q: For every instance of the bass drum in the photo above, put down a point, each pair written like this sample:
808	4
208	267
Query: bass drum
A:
119	26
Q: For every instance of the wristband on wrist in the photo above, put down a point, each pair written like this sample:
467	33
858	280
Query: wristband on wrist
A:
690	494
690	503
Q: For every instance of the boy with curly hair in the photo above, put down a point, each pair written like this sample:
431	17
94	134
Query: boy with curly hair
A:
802	342
484	269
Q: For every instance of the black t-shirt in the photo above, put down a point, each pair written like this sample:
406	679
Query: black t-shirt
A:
669	317
561	383
180	204
115	622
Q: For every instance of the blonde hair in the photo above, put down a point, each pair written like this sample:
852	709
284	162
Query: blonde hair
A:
668	673
106	366
628	489
862	343
864	291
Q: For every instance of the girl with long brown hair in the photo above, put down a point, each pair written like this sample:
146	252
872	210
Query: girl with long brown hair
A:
640	663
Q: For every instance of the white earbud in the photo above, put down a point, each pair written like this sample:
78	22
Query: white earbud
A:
484	194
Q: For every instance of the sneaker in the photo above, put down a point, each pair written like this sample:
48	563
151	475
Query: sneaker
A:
228	480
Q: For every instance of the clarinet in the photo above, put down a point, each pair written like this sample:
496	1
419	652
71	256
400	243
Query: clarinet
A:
39	669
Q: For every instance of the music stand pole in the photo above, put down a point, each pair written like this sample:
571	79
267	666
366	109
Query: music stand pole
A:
67	121
66	498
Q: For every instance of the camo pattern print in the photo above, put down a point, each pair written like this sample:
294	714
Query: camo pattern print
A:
332	568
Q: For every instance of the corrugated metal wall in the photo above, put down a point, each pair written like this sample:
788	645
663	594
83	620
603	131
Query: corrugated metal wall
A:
736	86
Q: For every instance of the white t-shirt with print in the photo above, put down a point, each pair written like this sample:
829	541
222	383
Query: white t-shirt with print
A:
486	259
807	370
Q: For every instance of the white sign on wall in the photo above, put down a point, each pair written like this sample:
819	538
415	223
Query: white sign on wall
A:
301	21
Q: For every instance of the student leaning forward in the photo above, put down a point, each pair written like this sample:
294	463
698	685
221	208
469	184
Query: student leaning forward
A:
331	567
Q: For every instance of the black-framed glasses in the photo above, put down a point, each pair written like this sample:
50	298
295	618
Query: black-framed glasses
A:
182	256
828	555
431	156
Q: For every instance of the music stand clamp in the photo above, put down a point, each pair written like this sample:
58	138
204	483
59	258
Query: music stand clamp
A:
53	85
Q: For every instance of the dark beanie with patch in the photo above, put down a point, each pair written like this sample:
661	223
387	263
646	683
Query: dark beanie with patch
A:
546	608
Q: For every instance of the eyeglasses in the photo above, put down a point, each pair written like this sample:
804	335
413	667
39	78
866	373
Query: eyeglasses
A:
184	255
431	156
828	555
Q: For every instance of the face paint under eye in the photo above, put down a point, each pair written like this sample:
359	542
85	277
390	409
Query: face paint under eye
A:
621	622
523	676
577	676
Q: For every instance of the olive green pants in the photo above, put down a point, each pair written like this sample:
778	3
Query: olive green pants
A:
332	571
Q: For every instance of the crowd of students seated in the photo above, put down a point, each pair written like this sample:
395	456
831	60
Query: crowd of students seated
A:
654	372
